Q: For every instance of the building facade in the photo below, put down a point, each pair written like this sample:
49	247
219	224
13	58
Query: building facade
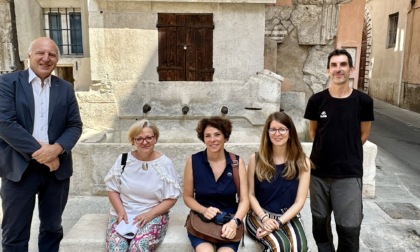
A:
394	74
198	57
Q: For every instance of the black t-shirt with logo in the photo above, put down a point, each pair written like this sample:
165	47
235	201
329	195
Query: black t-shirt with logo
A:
337	151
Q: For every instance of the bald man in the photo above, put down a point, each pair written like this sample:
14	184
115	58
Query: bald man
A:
39	125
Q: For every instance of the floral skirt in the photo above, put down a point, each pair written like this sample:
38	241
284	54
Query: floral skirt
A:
146	239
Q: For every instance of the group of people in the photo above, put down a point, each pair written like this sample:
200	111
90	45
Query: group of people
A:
275	186
40	124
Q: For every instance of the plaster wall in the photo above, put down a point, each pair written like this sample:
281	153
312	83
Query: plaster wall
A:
284	3
411	72
28	26
411	69
349	33
124	38
386	63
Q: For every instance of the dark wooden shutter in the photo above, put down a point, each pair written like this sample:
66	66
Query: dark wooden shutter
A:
185	47
171	54
199	39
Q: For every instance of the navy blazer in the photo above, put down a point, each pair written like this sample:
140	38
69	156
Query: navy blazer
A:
17	121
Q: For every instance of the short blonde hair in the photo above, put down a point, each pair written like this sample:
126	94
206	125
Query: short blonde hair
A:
137	127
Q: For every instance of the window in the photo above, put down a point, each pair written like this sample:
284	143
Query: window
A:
392	30
64	26
185	47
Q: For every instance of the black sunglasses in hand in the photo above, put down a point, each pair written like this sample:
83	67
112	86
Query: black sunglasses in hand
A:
202	217
222	218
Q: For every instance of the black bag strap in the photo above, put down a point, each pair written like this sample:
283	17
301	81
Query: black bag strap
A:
123	161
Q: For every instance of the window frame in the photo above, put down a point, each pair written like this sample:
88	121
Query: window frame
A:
64	26
391	41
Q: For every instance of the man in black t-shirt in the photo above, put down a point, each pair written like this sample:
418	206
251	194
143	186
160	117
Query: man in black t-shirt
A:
339	124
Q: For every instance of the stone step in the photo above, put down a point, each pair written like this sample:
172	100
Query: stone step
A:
88	234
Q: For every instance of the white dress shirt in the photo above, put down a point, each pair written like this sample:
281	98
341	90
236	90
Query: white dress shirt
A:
42	104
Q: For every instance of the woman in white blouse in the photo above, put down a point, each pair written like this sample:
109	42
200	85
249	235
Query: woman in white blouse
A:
141	193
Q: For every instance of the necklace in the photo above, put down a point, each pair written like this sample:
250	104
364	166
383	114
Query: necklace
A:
145	166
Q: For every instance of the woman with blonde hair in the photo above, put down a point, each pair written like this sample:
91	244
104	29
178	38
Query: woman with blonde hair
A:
278	183
142	186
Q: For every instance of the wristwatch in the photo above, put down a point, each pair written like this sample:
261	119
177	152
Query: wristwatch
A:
237	221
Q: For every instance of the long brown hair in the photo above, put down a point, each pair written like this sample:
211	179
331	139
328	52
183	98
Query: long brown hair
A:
295	157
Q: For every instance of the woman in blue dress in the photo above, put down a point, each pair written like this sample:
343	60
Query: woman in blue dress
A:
278	179
209	187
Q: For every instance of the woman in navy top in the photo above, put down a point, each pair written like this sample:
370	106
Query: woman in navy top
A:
209	187
278	179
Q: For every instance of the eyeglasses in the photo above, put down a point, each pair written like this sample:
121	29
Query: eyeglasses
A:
281	131
148	139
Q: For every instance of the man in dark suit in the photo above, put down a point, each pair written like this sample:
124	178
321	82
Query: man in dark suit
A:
39	125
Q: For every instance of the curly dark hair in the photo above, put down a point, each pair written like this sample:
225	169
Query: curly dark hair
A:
222	124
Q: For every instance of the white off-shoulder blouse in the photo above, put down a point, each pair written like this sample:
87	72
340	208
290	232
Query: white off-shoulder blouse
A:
142	189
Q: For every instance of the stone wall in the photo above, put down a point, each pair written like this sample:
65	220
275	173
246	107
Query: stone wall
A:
6	60
93	161
300	35
109	112
125	77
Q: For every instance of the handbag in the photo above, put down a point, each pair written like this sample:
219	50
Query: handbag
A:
209	231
